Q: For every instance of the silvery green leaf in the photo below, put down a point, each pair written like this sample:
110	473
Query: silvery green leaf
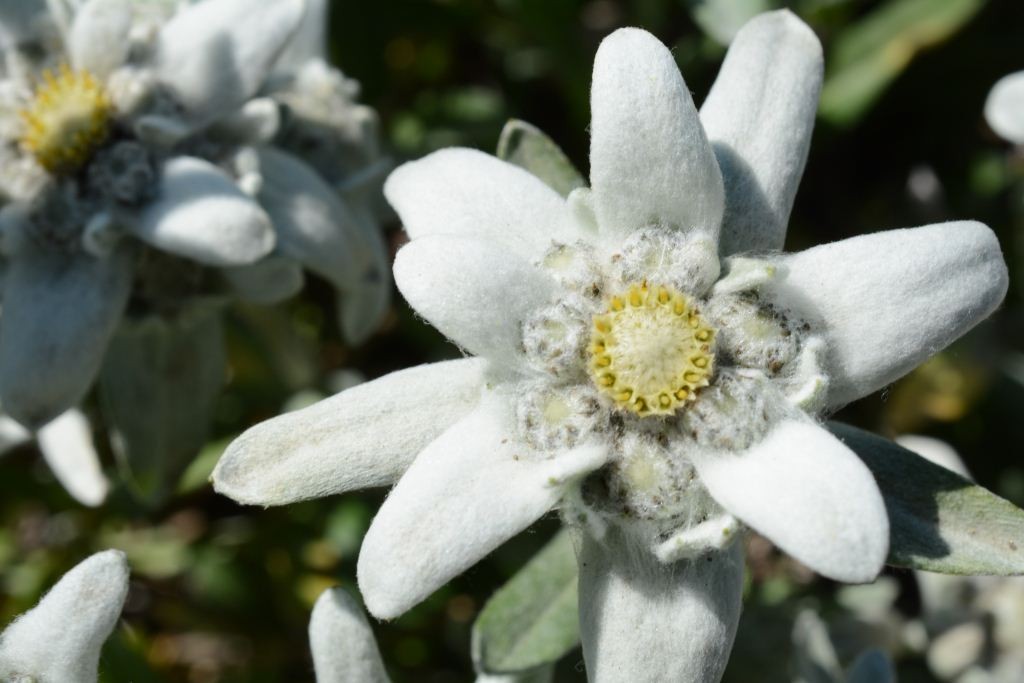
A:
722	19
873	666
527	146
158	386
870	54
938	520
532	620
60	311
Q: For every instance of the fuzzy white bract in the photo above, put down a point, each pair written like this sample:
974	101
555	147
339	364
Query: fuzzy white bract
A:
644	359
60	639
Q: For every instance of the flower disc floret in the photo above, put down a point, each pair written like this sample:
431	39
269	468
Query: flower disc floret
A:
651	350
67	119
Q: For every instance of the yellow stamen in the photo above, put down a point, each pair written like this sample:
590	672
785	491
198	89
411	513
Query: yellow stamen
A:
67	119
651	350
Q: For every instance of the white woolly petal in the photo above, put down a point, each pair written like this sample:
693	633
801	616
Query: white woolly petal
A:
308	42
468	193
214	55
936	451
759	117
202	215
98	41
1004	108
67	446
887	301
365	436
12	434
344	649
60	312
313	225
468	492
809	494
475	293
650	161
646	622
316	227
60	638
268	281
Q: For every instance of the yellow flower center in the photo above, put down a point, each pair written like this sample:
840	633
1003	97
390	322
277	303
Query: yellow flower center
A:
67	119
650	351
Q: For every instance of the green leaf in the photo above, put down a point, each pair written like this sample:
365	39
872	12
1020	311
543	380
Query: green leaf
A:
528	147
722	19
159	382
939	521
869	55
532	620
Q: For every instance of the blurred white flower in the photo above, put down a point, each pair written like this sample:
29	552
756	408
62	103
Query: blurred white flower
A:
815	659
60	639
67	446
1004	108
645	360
151	121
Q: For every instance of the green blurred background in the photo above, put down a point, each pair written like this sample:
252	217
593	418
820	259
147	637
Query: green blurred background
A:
223	593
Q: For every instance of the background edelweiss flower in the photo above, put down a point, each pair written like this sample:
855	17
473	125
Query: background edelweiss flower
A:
1004	108
60	639
682	219
152	168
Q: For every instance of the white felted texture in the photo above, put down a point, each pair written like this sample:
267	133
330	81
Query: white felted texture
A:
344	650
60	639
642	621
270	280
477	294
365	436
809	494
472	489
67	446
98	41
759	117
214	55
308	42
202	215
60	312
313	225
1004	108
887	301
650	162
468	193
935	451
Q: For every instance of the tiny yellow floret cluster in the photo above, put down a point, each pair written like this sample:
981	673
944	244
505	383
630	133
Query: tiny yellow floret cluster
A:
651	351
67	119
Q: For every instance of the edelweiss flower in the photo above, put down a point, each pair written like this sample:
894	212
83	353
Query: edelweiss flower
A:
142	122
644	359
60	639
1004	108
